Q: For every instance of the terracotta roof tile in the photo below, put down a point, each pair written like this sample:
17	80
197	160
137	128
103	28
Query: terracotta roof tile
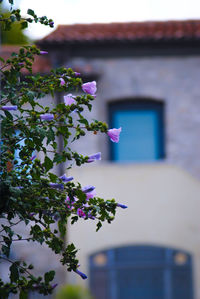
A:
133	31
41	64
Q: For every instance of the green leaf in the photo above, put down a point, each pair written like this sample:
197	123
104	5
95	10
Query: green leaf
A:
50	136
49	276
2	59
99	225
23	294
62	227
31	12
48	163
10	1
24	25
13	18
53	177
83	121
14	272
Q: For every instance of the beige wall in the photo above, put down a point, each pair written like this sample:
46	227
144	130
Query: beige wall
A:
163	209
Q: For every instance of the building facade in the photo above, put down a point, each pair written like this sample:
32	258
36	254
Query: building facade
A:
147	76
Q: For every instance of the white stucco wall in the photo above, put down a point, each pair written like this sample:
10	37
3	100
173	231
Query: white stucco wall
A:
163	209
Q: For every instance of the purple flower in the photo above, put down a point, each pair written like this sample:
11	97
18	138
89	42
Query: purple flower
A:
88	188
56	186
121	206
43	52
51	24
77	74
91	194
83	276
69	100
9	108
66	179
91	216
47	116
94	157
62	81
80	213
33	157
54	286
114	134
90	87
32	214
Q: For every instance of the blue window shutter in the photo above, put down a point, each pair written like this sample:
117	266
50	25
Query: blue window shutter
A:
142	133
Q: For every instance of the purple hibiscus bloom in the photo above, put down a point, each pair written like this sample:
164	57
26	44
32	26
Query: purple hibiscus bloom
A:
62	81
121	206
91	194
33	157
43	52
69	100
94	157
56	186
82	275
66	179
80	213
114	134
88	188
90	87
47	116
9	108
77	74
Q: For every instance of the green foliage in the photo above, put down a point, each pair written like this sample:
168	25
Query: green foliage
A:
15	35
73	292
30	192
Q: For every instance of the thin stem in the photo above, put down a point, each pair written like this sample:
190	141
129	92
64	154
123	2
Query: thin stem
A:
12	262
12	225
25	239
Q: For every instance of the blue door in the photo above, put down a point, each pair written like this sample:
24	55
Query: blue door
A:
141	272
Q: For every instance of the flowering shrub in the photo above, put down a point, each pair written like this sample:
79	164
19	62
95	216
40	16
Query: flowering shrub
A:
31	193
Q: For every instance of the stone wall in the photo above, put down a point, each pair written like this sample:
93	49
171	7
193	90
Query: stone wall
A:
173	80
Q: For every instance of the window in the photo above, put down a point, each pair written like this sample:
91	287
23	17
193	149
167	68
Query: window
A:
141	272
142	136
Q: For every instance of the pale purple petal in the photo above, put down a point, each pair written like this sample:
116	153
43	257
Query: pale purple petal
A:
83	275
91	216
43	52
62	81
80	213
66	179
9	108
33	157
91	194
121	206
94	157
90	87
114	134
88	188
56	186
47	116
77	74
69	100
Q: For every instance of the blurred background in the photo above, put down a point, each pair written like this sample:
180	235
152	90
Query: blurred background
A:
145	57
